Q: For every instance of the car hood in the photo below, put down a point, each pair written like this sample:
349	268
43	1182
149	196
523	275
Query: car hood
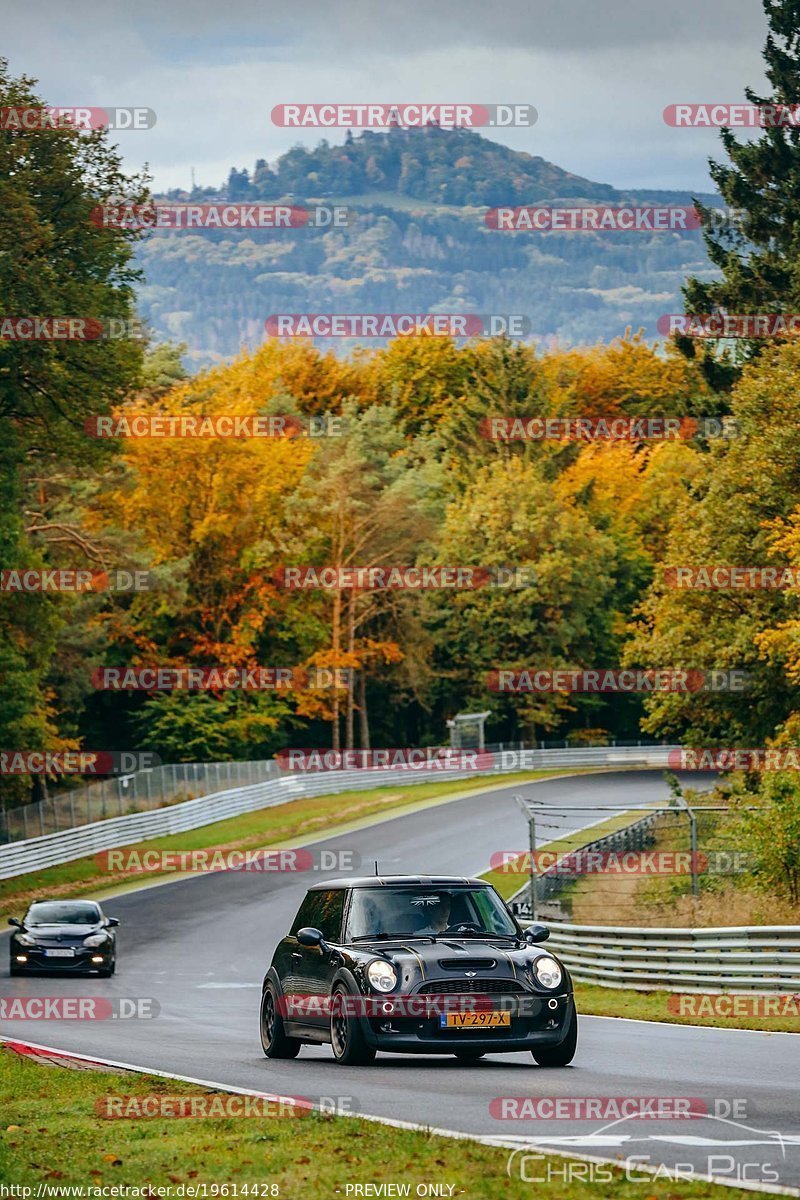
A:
462	962
62	930
453	953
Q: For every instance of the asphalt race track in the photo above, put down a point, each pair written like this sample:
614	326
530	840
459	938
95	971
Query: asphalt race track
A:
200	946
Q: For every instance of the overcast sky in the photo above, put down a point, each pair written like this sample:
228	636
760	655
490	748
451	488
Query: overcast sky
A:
599	72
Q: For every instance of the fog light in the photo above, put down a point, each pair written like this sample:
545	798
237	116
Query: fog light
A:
22	958
552	1004
97	958
388	1007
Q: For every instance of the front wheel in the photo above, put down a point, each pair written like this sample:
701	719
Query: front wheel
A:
107	972
562	1054
347	1039
274	1040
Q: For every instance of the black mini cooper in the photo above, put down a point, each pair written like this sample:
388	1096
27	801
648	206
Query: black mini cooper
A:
415	964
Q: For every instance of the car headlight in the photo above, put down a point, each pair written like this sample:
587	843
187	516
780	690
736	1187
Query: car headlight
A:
24	939
381	975
546	971
96	939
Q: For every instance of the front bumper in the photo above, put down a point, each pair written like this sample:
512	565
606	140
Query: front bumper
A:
37	960
533	1023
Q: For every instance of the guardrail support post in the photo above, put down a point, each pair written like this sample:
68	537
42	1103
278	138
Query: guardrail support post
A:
693	841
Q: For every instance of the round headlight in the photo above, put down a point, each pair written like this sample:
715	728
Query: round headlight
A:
547	972
97	939
381	975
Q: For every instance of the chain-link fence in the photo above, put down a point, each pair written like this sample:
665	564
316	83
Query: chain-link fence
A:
657	867
140	791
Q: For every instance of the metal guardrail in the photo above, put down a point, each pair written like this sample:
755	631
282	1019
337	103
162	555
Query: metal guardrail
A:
17	858
743	959
762	958
155	787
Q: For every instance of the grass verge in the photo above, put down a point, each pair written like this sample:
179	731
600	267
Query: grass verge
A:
53	1137
692	1009
304	820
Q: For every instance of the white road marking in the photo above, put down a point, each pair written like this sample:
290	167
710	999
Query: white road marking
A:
228	985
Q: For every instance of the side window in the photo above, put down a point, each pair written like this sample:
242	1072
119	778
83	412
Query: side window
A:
322	910
488	916
331	915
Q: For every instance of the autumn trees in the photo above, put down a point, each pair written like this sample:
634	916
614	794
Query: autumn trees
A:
399	470
54	262
404	475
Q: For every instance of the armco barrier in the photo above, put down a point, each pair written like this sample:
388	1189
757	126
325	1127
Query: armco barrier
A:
738	959
16	858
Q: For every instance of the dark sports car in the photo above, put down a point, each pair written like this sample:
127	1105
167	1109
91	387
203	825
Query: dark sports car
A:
415	964
64	935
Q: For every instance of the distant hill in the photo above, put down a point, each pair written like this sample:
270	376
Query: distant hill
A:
444	166
418	243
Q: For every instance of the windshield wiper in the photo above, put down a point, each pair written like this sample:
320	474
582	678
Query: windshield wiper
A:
390	937
484	937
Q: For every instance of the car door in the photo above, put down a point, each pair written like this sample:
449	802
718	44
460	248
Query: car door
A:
312	969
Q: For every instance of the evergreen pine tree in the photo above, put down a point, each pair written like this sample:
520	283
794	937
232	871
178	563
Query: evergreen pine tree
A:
757	248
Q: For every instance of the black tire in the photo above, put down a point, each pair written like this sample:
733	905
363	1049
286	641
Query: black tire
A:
274	1041
469	1056
347	1039
107	972
562	1054
13	969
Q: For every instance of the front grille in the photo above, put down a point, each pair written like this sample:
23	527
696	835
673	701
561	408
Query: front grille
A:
494	987
467	964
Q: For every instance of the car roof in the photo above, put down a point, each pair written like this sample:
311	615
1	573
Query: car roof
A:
363	881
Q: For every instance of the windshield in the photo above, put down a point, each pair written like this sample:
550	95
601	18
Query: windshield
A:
410	912
62	912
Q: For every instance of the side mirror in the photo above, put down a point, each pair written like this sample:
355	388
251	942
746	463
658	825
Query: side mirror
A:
537	933
309	936
15	921
111	922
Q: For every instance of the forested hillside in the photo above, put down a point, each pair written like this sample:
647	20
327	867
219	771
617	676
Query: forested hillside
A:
417	242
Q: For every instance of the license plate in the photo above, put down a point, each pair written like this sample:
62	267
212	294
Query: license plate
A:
474	1020
59	953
